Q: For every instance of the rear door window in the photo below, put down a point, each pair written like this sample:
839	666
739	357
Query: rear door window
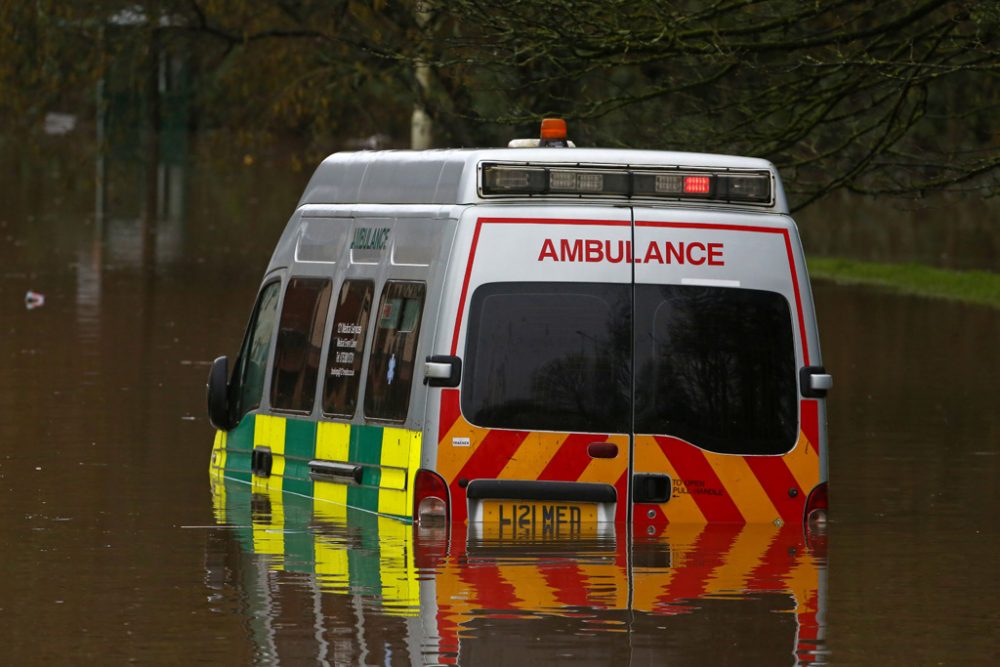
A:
549	356
347	347
394	349
715	366
300	341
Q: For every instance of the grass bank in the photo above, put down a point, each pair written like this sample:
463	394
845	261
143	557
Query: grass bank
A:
971	286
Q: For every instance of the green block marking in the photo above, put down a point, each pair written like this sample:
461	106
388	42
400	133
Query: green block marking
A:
366	449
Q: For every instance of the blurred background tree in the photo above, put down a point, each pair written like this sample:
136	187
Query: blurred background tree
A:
895	97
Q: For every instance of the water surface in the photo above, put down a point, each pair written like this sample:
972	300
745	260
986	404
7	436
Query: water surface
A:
117	546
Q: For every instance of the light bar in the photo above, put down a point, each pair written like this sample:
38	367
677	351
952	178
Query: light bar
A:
753	187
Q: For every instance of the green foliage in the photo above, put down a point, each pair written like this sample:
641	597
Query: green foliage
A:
972	286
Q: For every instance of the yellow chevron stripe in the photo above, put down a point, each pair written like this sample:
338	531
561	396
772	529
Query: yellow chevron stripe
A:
743	487
741	559
608	471
803	462
649	457
530	587
532	456
451	459
332	565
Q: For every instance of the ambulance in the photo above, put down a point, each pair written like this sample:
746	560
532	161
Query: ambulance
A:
536	341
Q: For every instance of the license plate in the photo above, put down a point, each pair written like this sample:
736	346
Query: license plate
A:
539	519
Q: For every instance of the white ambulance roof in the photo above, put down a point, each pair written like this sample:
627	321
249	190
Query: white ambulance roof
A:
450	176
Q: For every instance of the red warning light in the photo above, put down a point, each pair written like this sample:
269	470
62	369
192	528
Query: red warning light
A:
697	185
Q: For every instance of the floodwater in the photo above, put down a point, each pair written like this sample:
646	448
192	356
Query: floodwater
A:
117	546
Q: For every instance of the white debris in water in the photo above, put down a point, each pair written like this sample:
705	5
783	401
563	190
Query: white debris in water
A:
59	123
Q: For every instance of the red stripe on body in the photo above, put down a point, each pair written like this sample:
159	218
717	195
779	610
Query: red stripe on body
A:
776	480
691	464
798	298
487	461
571	459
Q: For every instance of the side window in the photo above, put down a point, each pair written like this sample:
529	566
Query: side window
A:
347	348
300	340
390	369
248	374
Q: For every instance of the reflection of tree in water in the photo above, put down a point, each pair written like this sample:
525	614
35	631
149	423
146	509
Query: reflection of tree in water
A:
716	368
592	386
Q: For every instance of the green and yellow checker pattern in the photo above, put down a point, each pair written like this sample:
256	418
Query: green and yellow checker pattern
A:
388	457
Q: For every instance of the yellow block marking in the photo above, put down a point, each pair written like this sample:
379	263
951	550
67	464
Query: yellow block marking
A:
413	464
218	497
650	458
332	565
743	487
269	432
333	441
269	531
395	458
218	460
397	573
330	501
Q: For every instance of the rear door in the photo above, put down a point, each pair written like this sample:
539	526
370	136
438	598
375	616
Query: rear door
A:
719	336
544	326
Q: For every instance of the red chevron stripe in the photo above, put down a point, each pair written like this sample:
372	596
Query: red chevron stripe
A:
492	590
709	552
809	411
691	464
777	561
569	584
571	459
487	461
776	479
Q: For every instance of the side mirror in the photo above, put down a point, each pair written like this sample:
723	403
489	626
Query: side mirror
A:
218	394
443	371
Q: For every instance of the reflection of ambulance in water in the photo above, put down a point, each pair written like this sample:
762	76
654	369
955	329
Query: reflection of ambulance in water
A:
536	340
